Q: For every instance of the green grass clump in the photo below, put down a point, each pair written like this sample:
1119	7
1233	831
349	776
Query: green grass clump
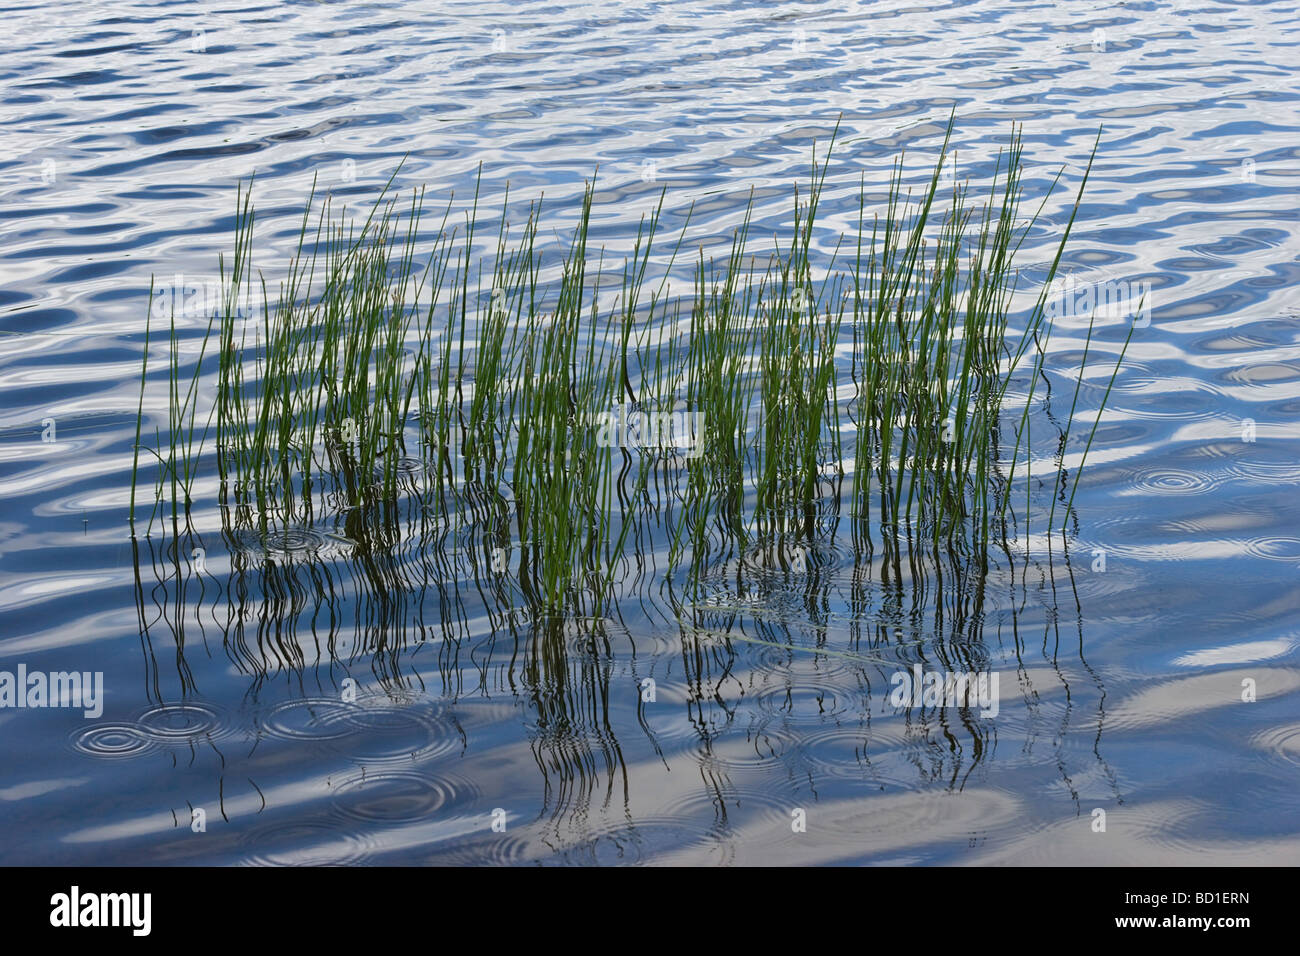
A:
387	368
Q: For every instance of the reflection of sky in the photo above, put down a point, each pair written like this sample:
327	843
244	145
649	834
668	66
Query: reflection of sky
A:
122	163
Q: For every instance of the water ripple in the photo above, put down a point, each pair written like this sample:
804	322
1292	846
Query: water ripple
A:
112	740
129	126
399	796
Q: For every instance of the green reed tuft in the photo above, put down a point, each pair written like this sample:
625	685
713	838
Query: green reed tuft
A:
389	367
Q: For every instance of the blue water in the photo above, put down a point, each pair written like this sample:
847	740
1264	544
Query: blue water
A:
399	728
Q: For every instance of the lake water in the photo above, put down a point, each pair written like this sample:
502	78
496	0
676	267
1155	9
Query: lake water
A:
1151	672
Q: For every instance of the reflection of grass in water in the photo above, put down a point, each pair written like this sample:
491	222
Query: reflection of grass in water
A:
815	651
493	379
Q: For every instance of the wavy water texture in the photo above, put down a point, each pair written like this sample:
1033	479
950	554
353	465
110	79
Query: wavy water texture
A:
321	704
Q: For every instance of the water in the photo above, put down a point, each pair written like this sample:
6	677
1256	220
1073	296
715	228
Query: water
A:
351	722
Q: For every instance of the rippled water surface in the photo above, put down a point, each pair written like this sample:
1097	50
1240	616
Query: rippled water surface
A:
334	728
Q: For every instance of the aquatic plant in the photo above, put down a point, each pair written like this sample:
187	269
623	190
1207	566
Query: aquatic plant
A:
561	410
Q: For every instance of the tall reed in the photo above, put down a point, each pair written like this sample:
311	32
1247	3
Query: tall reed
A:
387	367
